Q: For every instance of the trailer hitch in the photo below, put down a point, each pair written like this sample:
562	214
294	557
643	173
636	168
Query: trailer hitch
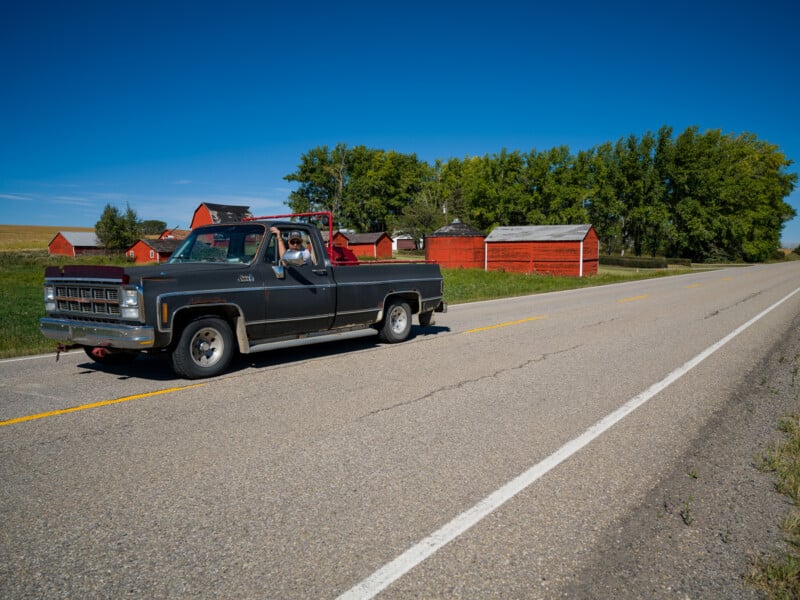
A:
64	348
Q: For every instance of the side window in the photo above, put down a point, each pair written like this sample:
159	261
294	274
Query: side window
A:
272	251
308	243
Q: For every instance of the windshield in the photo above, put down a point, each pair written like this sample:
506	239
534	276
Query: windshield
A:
221	243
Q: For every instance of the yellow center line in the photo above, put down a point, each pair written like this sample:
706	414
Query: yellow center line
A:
633	298
694	285
506	324
64	411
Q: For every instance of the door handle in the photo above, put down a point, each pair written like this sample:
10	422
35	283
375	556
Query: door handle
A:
319	271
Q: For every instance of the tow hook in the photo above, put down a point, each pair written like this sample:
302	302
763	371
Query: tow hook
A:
64	348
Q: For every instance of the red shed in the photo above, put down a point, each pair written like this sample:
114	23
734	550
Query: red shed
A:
208	214
554	249
456	245
152	251
73	243
376	245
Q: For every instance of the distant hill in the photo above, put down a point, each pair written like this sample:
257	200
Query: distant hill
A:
31	237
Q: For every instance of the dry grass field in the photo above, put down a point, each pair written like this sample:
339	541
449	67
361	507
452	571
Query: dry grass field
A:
31	237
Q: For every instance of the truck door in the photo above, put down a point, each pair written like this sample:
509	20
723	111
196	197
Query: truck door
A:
305	299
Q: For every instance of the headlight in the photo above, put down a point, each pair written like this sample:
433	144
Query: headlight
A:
130	297
129	304
49	298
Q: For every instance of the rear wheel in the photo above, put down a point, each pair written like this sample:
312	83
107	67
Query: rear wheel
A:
396	323
205	349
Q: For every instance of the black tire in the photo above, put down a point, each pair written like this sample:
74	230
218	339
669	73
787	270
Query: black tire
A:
205	349
110	357
426	318
396	322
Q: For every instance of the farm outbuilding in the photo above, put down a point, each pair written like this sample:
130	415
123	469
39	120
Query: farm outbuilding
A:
403	242
456	245
153	251
571	250
74	243
375	245
212	214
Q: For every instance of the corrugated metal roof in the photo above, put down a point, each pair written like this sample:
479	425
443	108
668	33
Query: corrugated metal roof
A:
456	229
162	246
363	238
227	213
83	239
539	233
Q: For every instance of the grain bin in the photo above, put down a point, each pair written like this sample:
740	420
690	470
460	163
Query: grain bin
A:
455	245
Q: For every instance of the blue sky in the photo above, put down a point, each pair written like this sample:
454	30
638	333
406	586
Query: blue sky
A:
164	105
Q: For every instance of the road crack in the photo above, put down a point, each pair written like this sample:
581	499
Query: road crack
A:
466	382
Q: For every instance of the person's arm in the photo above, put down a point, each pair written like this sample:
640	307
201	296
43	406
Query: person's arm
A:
281	245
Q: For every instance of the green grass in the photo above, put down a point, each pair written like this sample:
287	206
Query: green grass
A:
470	285
21	300
779	576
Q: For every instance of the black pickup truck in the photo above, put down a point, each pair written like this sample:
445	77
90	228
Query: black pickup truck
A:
229	288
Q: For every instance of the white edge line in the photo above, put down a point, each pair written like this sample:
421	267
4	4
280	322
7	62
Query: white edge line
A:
389	573
30	357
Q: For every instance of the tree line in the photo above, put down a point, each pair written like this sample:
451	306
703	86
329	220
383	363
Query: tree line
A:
704	196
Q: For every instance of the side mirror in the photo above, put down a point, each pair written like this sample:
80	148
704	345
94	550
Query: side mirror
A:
294	258
279	272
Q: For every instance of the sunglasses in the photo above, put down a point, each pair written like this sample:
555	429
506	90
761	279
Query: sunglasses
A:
295	242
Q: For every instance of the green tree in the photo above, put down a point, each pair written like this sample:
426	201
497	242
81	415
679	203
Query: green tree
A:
381	184
427	211
323	177
115	230
727	195
605	208
152	227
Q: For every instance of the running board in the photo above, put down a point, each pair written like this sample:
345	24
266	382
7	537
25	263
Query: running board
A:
312	339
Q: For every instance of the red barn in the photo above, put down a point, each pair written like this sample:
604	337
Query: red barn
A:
152	251
456	246
375	245
211	214
571	250
73	243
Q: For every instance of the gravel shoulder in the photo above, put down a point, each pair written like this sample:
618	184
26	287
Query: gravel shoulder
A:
700	528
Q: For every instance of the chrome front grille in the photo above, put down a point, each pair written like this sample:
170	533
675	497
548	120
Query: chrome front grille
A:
100	301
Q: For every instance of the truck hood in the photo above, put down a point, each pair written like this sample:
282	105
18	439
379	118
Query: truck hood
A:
178	270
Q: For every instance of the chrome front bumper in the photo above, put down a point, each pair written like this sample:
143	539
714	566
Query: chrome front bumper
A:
129	337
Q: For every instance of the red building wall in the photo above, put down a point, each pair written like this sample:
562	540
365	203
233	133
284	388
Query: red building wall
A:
60	245
455	252
201	217
549	257
380	249
141	253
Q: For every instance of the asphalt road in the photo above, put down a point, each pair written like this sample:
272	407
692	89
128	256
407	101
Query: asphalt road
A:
538	447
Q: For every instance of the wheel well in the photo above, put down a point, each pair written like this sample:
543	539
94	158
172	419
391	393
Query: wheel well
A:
225	312
412	298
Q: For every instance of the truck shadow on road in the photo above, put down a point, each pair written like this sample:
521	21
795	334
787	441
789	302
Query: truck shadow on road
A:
156	367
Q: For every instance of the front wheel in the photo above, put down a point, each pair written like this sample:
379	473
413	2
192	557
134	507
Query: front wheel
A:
396	323
205	349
